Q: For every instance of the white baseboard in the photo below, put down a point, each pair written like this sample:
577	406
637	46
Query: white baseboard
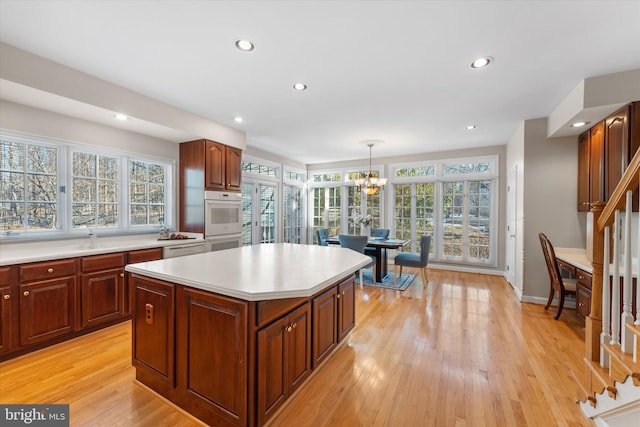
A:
569	301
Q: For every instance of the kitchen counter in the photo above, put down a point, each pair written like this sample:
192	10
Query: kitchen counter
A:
20	253
258	272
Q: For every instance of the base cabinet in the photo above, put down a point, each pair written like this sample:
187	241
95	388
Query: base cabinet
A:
228	361
47	309
284	359
102	297
6	300
212	355
346	307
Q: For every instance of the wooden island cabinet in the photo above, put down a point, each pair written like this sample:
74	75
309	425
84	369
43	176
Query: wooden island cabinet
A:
241	344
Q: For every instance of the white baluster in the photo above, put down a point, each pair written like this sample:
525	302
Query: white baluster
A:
605	337
627	317
615	286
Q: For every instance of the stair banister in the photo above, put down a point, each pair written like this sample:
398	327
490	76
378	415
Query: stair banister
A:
605	335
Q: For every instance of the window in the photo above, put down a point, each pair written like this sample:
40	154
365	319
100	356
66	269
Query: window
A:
61	188
94	190
260	198
293	214
258	168
455	201
146	192
29	186
326	209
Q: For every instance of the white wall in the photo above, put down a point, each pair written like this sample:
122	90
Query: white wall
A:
550	200
515	160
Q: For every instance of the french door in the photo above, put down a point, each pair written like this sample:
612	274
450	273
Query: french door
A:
259	213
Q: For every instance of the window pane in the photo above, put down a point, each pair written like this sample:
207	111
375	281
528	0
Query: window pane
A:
84	164
479	219
267	214
83	215
12	216
107	192
41	159
107	215
84	190
108	168
403	211
247	222
156	193
41	187
41	216
147	193
452	206
138	215
11	186
138	193
292	214
12	157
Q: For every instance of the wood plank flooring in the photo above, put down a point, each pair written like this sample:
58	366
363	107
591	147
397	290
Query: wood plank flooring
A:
461	352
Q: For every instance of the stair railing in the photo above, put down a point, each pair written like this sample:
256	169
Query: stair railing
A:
607	319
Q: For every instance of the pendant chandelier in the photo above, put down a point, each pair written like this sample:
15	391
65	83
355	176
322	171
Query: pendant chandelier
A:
370	185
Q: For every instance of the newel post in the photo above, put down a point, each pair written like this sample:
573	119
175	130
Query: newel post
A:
593	324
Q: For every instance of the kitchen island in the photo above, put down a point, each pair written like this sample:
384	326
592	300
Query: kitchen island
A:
229	335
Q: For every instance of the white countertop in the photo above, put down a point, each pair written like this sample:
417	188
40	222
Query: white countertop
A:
20	253
578	258
258	272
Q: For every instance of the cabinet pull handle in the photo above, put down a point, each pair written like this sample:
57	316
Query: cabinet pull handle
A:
6	296
50	270
338	296
121	274
295	325
288	328
25	293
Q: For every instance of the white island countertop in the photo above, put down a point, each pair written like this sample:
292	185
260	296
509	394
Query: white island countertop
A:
258	272
20	253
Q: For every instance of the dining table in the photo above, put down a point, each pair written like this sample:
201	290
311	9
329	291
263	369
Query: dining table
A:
381	246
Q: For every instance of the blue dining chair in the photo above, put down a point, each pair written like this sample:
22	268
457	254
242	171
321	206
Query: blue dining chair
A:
358	243
414	260
322	234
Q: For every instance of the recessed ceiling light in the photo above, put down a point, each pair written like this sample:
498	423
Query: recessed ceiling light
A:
244	45
121	116
238	119
300	86
481	62
469	127
579	124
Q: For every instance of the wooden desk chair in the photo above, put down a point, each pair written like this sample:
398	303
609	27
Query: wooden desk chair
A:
358	243
557	283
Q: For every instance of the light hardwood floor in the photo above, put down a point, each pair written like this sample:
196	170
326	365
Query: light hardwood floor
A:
461	352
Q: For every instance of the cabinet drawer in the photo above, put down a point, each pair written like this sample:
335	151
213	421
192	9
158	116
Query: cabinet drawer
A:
583	278
144	255
583	301
268	311
102	262
566	266
5	275
47	270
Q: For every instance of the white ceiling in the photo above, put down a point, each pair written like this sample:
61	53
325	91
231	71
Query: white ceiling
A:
391	70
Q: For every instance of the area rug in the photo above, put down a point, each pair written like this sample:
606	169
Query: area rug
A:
387	281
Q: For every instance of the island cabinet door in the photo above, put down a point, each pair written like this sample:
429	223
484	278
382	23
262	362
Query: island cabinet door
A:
212	356
153	332
284	359
325	319
346	307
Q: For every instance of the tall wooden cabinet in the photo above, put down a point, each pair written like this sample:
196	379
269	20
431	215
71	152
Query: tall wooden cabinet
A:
604	152
205	165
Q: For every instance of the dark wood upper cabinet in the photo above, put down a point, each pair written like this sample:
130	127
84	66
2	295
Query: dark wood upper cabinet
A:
616	136
584	157
596	162
205	165
604	152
